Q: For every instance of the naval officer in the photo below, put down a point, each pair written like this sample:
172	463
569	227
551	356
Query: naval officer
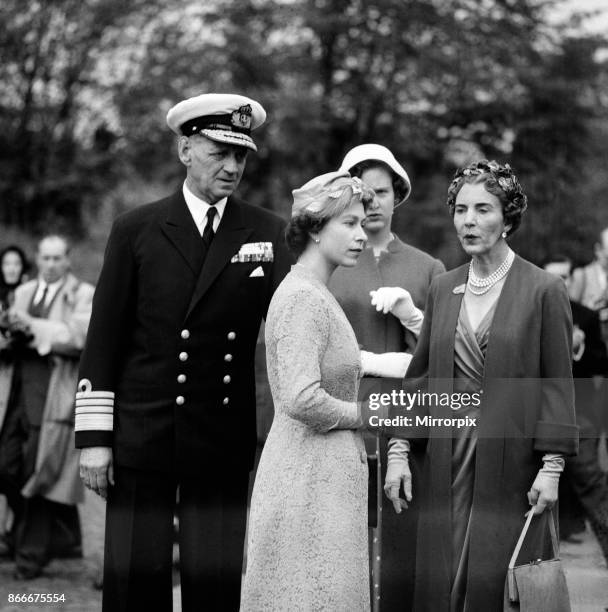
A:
166	398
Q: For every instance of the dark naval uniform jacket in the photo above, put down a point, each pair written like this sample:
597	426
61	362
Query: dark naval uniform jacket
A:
167	373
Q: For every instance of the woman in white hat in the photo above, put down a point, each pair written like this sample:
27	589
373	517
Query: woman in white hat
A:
402	273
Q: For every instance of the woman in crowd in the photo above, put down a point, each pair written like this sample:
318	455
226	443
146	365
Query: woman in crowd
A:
499	327
13	269
387	262
13	266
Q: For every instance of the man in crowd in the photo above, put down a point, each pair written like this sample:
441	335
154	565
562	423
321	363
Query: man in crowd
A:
589	285
167	396
584	485
48	323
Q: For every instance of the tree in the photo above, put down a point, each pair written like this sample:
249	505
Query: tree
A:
48	53
88	85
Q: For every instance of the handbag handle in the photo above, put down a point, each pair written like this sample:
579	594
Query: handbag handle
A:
524	531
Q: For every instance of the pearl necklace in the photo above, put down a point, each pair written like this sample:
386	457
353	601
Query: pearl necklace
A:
479	286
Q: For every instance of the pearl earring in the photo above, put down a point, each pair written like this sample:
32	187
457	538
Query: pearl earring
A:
317	240
504	234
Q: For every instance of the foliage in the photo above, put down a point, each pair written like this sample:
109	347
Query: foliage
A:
57	150
88	84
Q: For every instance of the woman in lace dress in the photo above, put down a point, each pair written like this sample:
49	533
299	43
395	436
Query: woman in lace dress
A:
307	544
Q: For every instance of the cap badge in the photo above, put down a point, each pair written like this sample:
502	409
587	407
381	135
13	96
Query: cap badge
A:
241	118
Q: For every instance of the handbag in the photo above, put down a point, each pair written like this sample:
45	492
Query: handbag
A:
540	585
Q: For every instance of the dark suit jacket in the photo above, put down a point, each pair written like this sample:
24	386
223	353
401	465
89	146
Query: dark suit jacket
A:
593	362
527	409
175	339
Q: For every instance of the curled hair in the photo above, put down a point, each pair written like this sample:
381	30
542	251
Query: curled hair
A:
400	187
497	179
298	230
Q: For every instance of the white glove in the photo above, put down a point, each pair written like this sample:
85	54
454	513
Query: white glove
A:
398	302
385	365
398	472
544	491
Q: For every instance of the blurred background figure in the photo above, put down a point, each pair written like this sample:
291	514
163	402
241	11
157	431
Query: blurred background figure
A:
589	284
589	287
387	261
584	487
14	267
47	325
13	272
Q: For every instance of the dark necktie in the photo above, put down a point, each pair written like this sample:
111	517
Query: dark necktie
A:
208	232
37	309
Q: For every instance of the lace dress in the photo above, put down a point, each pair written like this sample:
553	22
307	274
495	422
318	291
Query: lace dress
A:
307	539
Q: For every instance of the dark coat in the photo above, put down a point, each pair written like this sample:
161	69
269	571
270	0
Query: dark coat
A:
159	314
593	362
521	419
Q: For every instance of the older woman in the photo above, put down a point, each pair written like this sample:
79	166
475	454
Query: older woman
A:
307	543
501	328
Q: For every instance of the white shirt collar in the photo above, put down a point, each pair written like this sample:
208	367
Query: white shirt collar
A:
198	209
602	276
53	288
